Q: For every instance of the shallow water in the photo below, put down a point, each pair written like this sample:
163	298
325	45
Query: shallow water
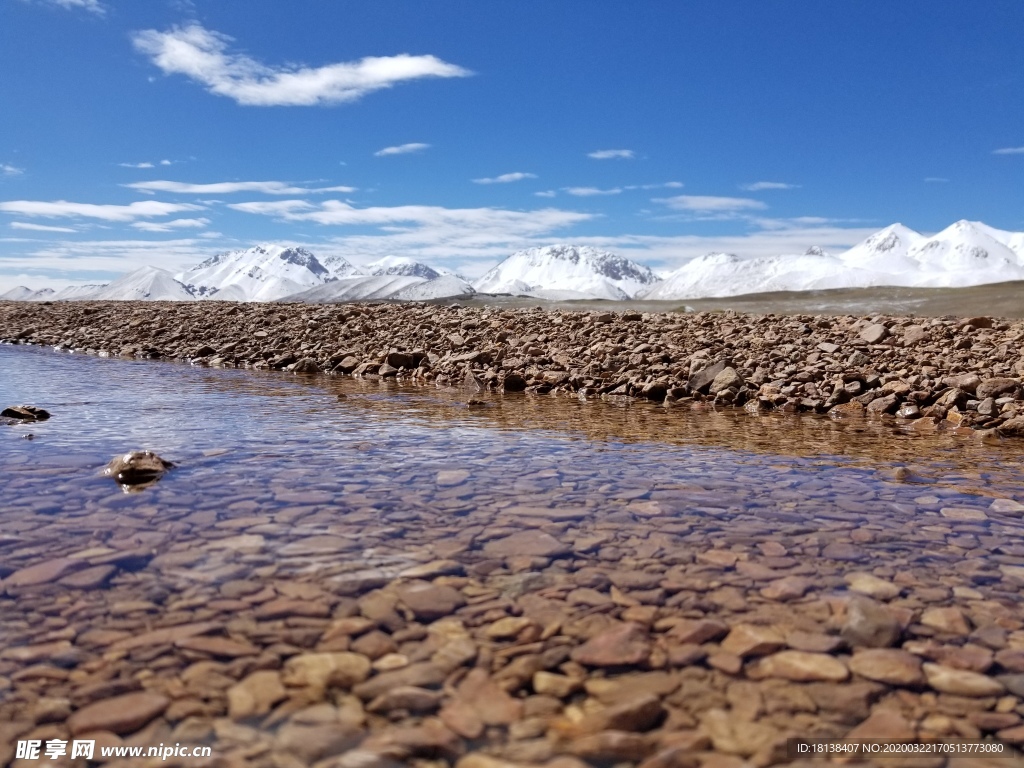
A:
345	484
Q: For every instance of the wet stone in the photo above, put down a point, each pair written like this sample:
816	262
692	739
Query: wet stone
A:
121	714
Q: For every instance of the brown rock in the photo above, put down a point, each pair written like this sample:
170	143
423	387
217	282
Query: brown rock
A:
611	747
751	640
870	625
430	601
888	665
787	588
120	715
639	714
490	703
326	670
627	644
217	646
699	631
884	725
996	387
872	586
960	682
136	467
44	573
255	695
534	543
25	413
801	666
949	620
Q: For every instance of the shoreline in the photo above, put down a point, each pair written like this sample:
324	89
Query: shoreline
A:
924	374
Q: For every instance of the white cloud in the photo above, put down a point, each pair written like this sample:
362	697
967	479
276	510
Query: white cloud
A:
546	193
121	213
758	186
613	154
1009	151
230	187
10	170
401	149
506	178
170	226
39	227
711	204
590	191
165	162
203	56
666	185
93	6
136	165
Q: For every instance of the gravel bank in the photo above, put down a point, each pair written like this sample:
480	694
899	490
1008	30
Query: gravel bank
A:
926	373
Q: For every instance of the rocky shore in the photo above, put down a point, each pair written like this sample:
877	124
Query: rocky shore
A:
923	373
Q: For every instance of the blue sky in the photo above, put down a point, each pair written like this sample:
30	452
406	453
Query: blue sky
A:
457	132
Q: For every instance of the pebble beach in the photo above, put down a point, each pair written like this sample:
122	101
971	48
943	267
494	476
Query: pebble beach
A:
440	536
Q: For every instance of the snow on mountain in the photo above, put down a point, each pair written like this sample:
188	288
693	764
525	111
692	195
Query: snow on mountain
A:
402	265
78	292
340	267
379	287
965	253
261	273
586	272
18	293
144	284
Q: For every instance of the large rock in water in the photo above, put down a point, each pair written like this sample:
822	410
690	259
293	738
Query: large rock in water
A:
701	380
25	413
136	467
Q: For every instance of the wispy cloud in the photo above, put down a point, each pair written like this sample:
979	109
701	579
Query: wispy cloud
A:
230	187
93	6
1009	151
613	154
665	185
401	149
506	178
39	227
711	204
136	165
759	186
144	209
170	226
935	180
10	170
546	193
590	191
203	56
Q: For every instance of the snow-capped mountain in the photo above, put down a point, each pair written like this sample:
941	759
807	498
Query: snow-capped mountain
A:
965	253
78	292
567	271
144	284
402	265
262	273
340	267
24	293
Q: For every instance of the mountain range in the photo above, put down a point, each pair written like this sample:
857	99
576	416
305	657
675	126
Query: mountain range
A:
964	254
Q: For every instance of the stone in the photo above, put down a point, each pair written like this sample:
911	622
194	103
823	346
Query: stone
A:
727	378
627	644
430	601
559	686
44	573
638	714
326	670
801	666
701	380
449	477
869	624
872	586
699	631
746	640
610	747
121	714
25	413
311	743
883	725
949	620
888	665
488	701
422	674
306	365
508	627
960	682
217	646
995	387
136	468
787	588
736	737
533	543
255	695
875	333
408	698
